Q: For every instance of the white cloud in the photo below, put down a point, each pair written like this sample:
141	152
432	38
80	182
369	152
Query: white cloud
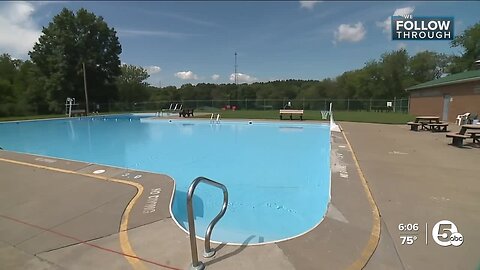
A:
242	78
387	24
350	33
153	69
215	77
403	11
308	4
18	31
186	75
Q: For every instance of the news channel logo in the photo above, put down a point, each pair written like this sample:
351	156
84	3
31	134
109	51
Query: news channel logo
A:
445	233
408	27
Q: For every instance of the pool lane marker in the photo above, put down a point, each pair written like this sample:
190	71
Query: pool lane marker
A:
127	250
372	243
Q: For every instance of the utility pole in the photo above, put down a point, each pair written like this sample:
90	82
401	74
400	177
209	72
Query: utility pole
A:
85	85
235	68
236	80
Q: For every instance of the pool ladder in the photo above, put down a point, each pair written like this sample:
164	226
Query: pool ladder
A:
213	120
209	252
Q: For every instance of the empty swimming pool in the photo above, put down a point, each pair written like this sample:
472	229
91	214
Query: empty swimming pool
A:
277	173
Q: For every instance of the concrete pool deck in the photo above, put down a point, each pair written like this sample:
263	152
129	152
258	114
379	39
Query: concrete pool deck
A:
417	177
66	192
57	214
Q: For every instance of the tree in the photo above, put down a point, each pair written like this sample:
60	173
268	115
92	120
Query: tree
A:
347	84
202	91
8	67
20	87
131	84
8	70
169	93
29	85
372	81
395	71
69	41
469	42
426	66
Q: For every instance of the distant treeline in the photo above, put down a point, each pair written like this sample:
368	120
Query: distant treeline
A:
382	79
22	86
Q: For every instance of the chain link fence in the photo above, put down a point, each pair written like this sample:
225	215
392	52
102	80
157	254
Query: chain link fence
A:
377	105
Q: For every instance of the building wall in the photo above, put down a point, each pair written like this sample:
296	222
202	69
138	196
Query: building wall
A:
429	101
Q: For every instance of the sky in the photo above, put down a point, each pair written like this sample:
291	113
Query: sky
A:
180	42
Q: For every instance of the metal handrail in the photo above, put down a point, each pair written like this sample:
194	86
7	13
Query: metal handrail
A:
196	264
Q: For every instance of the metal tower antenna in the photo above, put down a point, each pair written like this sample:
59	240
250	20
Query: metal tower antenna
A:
235	67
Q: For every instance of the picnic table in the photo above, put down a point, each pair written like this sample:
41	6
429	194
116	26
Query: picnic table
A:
431	123
474	134
462	134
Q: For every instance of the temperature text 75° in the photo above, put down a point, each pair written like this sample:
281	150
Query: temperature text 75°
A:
408	239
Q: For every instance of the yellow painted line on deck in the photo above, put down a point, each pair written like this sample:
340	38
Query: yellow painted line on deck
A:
123	235
372	243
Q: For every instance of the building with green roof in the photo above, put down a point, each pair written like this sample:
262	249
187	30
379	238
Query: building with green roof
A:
448	96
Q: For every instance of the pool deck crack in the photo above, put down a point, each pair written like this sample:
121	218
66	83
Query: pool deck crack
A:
394	246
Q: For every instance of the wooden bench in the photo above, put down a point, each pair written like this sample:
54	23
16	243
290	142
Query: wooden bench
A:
414	125
78	112
457	138
291	113
438	127
185	113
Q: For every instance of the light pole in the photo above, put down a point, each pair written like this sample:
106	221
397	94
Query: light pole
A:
235	68
85	86
236	79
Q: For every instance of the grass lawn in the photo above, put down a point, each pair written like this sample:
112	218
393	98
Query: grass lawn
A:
368	117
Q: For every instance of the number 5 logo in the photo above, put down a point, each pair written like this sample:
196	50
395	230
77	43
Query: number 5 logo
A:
445	234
